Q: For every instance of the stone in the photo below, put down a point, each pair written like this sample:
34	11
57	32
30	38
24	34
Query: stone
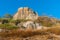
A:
25	13
30	25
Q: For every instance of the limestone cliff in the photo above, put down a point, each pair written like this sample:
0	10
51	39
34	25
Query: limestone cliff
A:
25	13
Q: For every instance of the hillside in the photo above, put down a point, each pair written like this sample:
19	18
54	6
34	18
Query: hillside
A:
27	25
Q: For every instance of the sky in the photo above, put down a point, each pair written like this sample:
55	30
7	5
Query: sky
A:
43	7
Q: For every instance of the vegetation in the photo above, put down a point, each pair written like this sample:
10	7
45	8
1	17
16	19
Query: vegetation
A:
45	21
8	16
7	26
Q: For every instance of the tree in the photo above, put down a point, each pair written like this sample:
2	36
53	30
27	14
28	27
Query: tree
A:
8	16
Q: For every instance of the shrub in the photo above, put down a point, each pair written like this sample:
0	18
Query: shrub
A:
45	21
15	21
8	26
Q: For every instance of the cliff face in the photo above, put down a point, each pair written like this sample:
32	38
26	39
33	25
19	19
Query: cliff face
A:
25	13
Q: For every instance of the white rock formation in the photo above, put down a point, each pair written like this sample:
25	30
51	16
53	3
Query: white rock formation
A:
30	25
25	13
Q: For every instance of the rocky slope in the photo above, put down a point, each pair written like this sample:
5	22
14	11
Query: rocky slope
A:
27	25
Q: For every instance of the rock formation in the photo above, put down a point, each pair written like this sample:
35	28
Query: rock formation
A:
25	13
30	25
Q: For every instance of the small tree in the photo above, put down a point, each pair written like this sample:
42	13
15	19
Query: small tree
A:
8	16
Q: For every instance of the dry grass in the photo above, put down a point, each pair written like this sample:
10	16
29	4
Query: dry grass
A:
27	33
22	33
32	34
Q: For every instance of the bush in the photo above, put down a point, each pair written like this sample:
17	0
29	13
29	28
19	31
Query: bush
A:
45	21
8	26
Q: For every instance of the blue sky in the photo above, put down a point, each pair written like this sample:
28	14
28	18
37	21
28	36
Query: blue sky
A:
46	7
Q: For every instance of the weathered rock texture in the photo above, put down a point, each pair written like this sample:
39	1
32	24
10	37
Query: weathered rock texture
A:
30	25
25	13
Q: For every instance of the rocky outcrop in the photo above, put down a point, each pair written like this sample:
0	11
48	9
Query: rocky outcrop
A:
25	13
30	25
46	21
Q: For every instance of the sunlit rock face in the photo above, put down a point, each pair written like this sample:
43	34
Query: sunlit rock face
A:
25	13
30	25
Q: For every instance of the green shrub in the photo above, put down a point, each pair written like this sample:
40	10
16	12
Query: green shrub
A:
8	26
